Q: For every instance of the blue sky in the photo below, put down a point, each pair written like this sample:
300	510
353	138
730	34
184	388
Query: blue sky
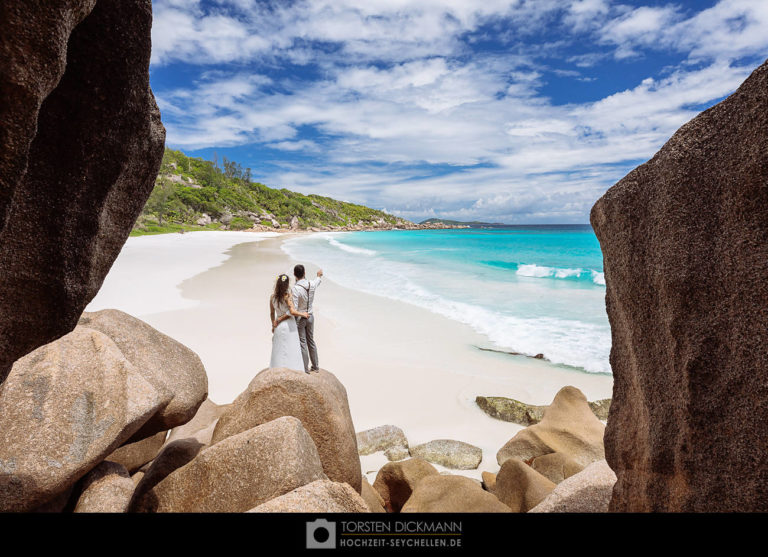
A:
510	111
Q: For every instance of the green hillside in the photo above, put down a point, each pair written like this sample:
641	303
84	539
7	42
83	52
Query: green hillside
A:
188	188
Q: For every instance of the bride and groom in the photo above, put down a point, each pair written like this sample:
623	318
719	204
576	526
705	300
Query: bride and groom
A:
293	325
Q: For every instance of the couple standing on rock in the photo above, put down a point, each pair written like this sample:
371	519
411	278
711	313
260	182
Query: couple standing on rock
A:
293	325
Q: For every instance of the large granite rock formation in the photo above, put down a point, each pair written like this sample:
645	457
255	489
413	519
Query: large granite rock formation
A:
169	366
556	466
105	489
569	427
589	491
173	456
319	400
511	410
135	455
63	409
452	494
205	420
372	498
520	487
685	246
396	481
320	496
80	146
239	473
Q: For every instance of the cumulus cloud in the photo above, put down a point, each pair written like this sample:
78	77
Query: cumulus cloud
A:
404	104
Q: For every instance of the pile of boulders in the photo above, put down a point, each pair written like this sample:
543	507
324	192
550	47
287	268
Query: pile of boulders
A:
114	417
555	465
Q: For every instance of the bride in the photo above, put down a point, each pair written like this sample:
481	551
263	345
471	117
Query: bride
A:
286	350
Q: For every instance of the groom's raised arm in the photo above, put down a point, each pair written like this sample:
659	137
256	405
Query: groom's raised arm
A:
319	278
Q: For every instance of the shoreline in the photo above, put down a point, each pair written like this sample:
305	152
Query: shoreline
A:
401	364
258	228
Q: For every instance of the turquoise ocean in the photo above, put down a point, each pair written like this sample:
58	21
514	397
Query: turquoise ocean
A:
535	289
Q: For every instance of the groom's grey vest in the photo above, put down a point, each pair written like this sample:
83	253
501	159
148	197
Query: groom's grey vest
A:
310	295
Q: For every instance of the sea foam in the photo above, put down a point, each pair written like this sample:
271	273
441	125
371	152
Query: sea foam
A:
562	340
350	249
540	271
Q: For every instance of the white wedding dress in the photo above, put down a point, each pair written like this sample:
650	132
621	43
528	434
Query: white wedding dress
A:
286	349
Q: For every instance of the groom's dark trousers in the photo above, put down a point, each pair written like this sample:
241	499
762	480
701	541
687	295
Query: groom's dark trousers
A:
307	340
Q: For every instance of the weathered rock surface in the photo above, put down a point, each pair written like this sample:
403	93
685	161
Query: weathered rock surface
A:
105	489
372	498
396	481
511	410
381	438
684	239
173	456
63	409
520	487
568	427
80	145
556	466
601	408
240	472
589	491
319	400
452	494
394	454
321	496
449	453
206	416
172	368
135	455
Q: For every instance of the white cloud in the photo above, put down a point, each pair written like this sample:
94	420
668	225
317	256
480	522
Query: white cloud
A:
728	30
405	114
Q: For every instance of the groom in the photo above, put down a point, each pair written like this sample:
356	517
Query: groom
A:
303	297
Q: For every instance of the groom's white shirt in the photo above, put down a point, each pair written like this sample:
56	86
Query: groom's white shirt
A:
300	293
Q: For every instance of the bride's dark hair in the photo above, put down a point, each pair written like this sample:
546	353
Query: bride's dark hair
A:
281	287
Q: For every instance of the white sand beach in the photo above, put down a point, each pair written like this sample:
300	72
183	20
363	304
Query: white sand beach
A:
400	364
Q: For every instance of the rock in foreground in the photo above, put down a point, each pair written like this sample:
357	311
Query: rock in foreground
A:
381	438
206	416
452	494
65	407
396	481
321	496
372	498
172	368
449	453
520	487
106	489
568	427
240	472
80	145
511	410
589	491
135	455
173	456
556	466
684	240
319	400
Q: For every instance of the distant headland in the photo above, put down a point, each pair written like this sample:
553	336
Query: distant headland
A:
192	194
